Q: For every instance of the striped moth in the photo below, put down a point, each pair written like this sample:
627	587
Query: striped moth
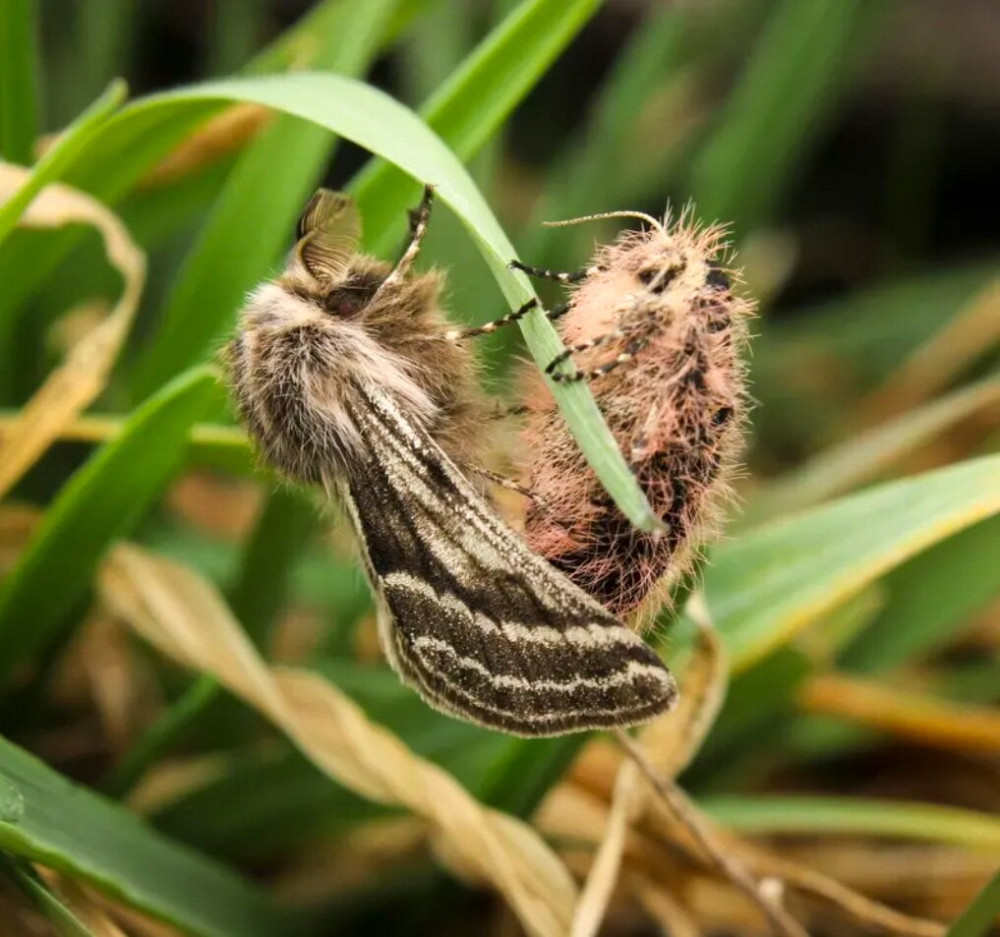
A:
347	376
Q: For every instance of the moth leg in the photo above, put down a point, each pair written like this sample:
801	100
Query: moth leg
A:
540	273
457	335
641	445
515	409
631	350
503	482
418	228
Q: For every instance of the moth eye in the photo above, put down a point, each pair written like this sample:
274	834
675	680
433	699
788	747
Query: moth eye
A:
350	297
658	279
716	278
343	303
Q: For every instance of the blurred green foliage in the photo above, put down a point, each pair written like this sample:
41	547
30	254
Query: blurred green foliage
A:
733	104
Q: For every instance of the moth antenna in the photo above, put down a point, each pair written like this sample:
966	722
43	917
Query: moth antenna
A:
641	215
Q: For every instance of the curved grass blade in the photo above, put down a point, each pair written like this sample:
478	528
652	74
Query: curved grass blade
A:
978	919
103	501
805	57
70	143
18	80
73	830
383	126
856	816
473	103
254	213
773	581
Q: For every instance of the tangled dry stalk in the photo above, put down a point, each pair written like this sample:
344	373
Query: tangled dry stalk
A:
71	387
184	617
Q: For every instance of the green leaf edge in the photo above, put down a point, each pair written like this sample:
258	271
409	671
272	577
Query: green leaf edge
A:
377	122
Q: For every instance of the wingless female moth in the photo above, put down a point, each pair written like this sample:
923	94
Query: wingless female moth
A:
348	376
655	328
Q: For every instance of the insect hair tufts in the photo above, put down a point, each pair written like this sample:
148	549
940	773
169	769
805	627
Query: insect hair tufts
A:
655	327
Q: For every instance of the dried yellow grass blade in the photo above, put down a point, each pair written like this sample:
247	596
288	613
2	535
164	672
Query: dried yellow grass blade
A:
671	741
600	884
83	904
924	719
219	137
72	386
185	618
965	338
849	904
672	917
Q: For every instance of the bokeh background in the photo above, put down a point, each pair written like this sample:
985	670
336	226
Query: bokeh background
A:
851	148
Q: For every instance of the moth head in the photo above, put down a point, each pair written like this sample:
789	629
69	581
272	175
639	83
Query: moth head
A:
326	256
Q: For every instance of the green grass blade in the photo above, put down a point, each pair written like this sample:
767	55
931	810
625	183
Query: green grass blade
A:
773	581
103	501
803	60
978	919
254	215
19	111
73	830
468	109
865	455
210	445
380	124
285	529
110	168
937	591
64	922
856	816
234	33
50	167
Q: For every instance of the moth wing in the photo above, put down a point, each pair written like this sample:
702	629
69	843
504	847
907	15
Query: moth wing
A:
479	624
329	232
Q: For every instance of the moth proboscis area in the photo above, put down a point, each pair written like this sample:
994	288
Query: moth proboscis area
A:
346	374
655	328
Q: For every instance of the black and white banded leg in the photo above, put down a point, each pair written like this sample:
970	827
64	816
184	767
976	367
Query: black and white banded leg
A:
541	273
418	228
457	335
631	350
502	482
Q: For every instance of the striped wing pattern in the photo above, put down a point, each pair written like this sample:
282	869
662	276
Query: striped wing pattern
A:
481	626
